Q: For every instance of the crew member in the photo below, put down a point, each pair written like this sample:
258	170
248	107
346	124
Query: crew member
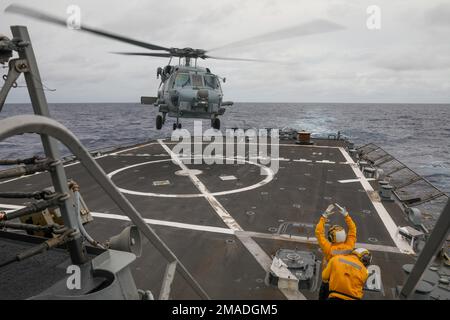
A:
337	241
347	274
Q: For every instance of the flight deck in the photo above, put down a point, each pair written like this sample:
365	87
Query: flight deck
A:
225	222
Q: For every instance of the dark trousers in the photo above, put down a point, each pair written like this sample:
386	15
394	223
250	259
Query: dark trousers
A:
324	291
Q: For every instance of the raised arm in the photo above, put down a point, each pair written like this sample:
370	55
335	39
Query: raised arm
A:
351	237
324	244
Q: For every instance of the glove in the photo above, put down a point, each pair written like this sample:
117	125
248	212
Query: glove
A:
342	210
328	212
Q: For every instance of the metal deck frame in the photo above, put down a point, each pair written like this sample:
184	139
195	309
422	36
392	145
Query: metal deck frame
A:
51	132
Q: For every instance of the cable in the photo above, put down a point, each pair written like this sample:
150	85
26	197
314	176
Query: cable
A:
80	223
31	227
31	160
38	195
44	87
40	248
27	169
41	205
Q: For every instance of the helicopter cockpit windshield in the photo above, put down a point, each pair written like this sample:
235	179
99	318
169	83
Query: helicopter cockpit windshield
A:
196	81
182	80
211	81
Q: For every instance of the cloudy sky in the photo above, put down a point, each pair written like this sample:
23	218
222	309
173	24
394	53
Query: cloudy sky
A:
407	60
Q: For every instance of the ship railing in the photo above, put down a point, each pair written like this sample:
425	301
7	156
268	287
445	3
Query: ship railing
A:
48	127
438	236
51	132
410	188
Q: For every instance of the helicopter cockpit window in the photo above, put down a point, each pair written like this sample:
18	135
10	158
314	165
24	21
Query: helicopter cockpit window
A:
197	80
211	82
182	80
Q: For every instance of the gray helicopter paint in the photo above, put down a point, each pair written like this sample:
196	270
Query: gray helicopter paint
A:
183	102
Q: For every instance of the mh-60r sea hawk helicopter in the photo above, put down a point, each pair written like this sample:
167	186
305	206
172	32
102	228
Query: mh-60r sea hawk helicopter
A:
186	90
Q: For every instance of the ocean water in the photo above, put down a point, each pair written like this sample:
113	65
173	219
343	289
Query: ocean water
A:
416	134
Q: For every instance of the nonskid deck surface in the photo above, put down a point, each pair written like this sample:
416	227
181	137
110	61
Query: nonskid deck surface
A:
226	221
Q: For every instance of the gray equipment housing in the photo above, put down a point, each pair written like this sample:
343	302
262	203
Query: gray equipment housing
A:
294	269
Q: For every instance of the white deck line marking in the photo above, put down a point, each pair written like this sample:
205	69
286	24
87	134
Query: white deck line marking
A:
281	144
251	245
313	240
11	206
267	179
259	254
325	161
77	162
132	155
132	148
167	223
21	177
153	143
302	160
355	180
217	206
38	173
265	262
239	234
252	234
381	210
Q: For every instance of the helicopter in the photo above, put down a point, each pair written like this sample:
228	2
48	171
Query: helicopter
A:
187	90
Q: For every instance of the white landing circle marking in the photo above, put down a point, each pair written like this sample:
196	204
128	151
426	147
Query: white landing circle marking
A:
269	175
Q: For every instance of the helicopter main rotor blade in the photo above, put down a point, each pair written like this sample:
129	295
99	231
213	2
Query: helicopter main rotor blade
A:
168	55
304	29
150	54
240	59
32	13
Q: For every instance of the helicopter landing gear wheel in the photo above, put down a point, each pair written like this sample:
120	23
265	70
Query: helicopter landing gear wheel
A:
177	125
215	123
159	122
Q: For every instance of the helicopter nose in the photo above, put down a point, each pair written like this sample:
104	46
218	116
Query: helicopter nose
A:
202	98
202	94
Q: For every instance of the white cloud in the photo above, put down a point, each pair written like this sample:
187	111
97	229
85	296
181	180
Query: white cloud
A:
405	61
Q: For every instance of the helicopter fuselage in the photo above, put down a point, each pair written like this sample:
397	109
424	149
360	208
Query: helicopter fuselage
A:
189	92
